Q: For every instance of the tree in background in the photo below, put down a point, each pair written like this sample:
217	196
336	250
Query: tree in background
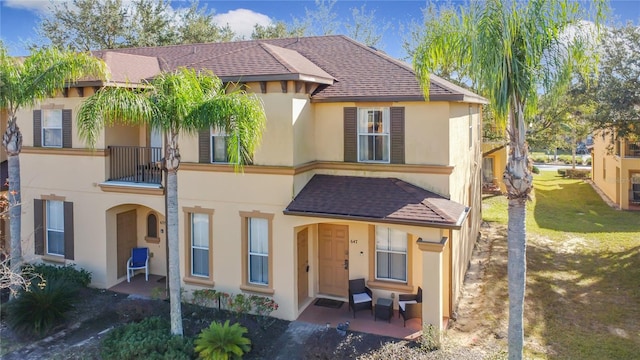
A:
510	51
365	28
277	30
23	83
197	26
617	91
107	24
181	102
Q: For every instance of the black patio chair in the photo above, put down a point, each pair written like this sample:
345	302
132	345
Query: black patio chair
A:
360	296
410	305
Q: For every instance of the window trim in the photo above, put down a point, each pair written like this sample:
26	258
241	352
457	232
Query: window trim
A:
215	132
189	278
246	285
384	284
43	128
47	212
153	239
386	120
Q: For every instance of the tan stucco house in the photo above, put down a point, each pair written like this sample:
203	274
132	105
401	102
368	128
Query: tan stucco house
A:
357	176
615	169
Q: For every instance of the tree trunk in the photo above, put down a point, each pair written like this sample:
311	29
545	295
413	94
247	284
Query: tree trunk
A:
172	162
516	270
519	182
12	142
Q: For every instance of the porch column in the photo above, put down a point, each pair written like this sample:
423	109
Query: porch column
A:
432	282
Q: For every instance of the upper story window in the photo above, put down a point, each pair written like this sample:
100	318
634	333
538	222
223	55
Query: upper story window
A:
373	135
52	128
218	145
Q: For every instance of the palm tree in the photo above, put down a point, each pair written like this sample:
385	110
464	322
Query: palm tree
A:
184	101
511	51
23	83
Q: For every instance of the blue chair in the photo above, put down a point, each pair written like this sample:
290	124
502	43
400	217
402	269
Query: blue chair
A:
139	260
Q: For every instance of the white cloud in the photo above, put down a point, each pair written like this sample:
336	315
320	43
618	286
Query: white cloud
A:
37	6
241	21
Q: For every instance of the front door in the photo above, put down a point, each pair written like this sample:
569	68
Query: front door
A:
126	238
333	262
303	266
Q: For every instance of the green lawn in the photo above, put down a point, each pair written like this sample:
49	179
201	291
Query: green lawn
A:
583	276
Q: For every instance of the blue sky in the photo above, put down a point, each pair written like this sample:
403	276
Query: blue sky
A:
19	18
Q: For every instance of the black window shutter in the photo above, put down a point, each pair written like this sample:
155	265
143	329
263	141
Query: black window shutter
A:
204	146
66	128
350	134
397	135
68	230
37	128
38	226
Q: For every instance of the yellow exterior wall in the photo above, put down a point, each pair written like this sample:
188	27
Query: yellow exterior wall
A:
611	173
298	132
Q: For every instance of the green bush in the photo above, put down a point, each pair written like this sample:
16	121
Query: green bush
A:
44	305
562	172
535	170
222	341
578	173
148	339
68	273
539	158
587	161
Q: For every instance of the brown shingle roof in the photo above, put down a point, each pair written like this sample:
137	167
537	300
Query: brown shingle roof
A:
348	70
375	199
129	68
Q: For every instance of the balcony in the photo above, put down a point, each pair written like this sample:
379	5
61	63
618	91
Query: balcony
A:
632	149
134	164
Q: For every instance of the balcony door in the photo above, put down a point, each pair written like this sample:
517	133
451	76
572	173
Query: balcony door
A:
155	141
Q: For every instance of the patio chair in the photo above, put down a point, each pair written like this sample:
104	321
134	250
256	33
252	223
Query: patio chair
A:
360	297
139	260
410	306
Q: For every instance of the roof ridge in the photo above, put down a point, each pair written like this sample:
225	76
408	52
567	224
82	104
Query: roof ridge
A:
280	59
425	201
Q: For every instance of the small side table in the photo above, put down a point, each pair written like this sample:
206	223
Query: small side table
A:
384	309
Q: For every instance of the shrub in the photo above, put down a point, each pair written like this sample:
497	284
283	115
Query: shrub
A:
222	341
148	339
578	173
67	273
430	339
562	172
539	158
535	170
587	161
44	305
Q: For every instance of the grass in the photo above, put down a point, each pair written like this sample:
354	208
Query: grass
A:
583	259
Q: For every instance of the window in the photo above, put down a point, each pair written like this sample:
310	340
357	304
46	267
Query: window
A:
257	252
635	188
52	128
219	145
391	254
373	135
152	229
199	245
55	227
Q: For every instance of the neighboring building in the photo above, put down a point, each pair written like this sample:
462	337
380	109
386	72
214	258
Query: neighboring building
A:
494	159
615	169
357	176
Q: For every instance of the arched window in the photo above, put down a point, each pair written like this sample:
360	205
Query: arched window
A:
152	226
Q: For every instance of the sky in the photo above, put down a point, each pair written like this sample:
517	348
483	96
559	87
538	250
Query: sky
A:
19	18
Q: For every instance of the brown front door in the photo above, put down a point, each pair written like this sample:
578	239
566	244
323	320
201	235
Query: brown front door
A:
303	266
333	243
126	238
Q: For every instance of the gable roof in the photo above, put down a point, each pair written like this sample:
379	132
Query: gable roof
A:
345	69
375	199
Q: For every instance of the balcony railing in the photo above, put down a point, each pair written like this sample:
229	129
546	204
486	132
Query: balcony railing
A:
135	164
632	149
